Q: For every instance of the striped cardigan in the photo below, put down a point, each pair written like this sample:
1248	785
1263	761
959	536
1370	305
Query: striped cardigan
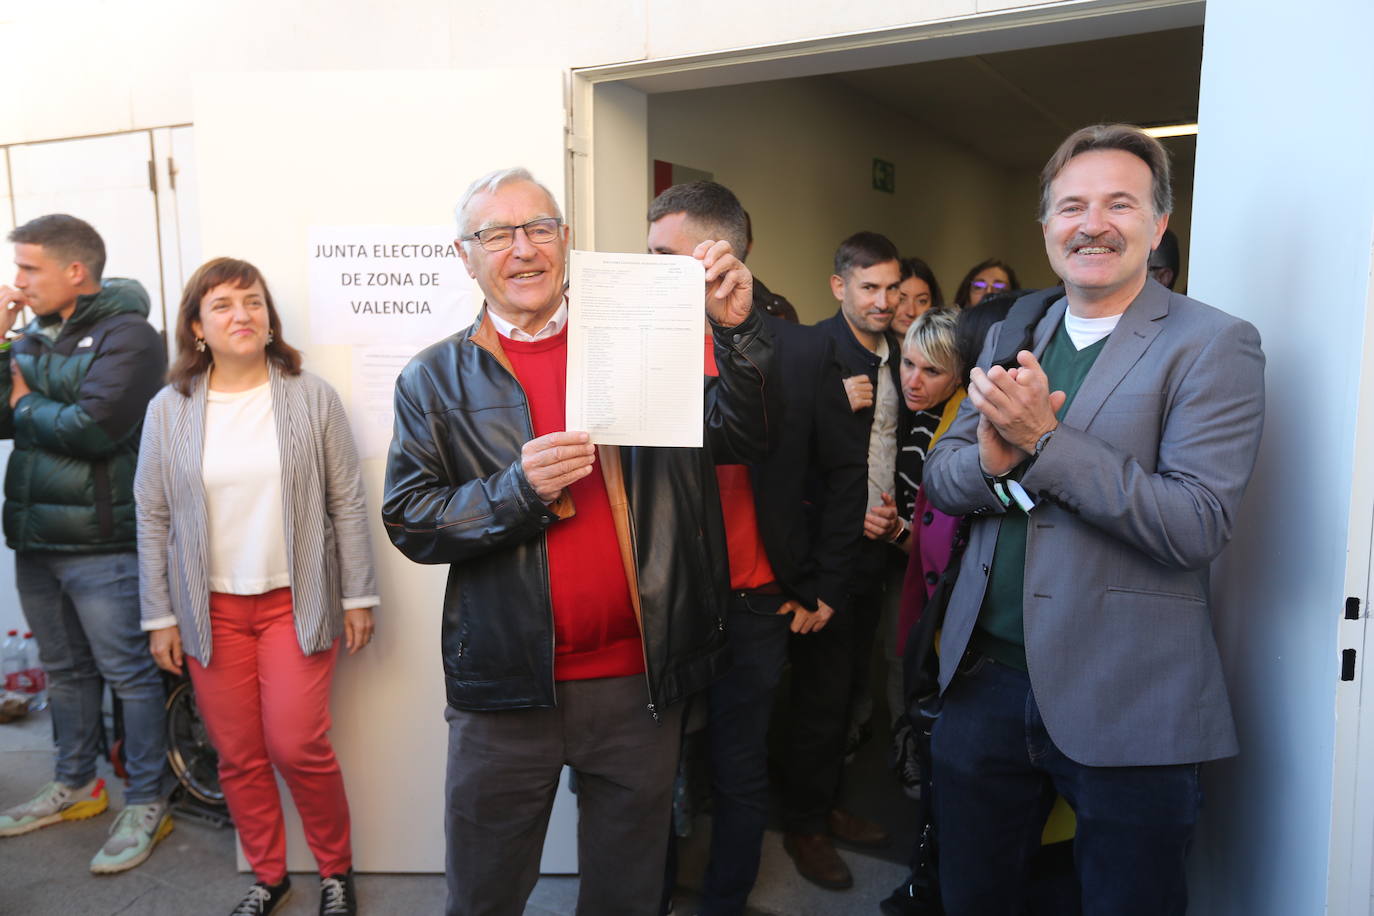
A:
328	550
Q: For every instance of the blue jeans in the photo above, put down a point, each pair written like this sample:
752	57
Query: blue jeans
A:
996	773
740	705
83	610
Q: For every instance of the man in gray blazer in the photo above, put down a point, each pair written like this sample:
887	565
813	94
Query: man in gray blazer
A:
1103	461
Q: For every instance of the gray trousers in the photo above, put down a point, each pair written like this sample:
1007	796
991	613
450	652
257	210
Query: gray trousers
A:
503	770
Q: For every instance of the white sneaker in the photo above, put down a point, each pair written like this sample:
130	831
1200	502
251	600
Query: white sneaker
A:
132	837
53	804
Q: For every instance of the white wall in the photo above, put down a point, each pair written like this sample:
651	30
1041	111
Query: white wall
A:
325	165
799	154
1282	236
76	67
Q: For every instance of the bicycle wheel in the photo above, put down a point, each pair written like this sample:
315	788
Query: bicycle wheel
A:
192	757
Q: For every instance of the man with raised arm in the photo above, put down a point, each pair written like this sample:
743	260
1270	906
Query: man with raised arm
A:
587	585
790	525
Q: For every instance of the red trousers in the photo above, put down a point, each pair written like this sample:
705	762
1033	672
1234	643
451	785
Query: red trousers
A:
265	705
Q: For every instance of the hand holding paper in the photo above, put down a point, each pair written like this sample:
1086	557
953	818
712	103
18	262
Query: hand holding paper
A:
729	284
552	462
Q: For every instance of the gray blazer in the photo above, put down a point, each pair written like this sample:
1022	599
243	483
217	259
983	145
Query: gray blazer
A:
329	553
1137	493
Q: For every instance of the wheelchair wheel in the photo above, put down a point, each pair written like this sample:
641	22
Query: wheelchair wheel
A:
192	757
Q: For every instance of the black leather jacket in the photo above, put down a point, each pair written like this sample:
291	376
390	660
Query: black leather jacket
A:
455	494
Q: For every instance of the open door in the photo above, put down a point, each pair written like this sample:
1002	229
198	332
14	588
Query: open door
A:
278	153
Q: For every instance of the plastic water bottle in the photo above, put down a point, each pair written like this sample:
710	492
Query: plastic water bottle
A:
38	678
13	664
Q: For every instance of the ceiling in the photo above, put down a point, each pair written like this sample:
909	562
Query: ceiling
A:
1014	107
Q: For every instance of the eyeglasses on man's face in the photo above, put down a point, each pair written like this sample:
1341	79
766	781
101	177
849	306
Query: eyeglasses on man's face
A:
499	238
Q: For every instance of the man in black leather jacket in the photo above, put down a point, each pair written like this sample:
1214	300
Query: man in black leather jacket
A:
481	475
793	541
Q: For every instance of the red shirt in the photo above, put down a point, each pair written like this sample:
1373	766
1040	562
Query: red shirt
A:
595	631
749	566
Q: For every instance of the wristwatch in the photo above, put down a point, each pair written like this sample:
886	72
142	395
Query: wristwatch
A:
902	536
1042	442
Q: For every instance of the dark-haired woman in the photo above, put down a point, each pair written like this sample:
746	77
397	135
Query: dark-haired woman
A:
986	278
254	559
918	293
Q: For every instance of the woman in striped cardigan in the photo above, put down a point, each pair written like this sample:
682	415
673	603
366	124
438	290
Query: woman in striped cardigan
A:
253	560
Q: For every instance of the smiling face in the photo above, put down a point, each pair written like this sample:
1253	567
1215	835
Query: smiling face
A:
913	301
924	384
1100	229
234	323
868	297
523	283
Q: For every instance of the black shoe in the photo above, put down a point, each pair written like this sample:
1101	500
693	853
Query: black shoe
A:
337	895
263	898
911	899
905	759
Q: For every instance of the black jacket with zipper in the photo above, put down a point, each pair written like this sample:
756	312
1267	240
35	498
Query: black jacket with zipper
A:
455	494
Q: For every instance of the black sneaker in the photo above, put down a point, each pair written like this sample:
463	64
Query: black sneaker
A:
337	895
911	899
906	761
263	898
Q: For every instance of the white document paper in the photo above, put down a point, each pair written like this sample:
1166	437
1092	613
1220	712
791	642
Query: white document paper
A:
636	348
374	391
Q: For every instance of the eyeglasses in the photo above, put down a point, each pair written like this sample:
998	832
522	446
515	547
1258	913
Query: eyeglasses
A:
499	238
997	286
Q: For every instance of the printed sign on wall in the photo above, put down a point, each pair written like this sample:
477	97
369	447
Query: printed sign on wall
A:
387	284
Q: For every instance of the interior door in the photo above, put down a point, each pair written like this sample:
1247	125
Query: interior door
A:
107	181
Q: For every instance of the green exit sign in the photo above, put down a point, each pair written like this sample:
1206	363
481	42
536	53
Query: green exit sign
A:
884	176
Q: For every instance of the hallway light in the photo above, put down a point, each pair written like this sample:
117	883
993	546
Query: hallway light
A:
1171	130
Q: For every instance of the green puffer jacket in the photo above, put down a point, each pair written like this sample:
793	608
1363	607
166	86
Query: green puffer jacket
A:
69	486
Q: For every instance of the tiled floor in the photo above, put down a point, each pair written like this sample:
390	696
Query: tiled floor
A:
192	872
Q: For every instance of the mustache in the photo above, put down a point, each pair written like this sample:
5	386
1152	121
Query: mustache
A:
1106	239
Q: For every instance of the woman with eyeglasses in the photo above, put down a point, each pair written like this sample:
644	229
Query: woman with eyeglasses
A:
986	278
253	561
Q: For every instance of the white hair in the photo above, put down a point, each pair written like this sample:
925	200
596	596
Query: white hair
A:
488	184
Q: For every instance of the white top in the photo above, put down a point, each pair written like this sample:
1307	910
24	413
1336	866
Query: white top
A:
882	436
506	329
241	468
1084	332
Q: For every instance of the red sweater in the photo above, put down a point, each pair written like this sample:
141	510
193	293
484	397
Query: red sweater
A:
749	566
594	626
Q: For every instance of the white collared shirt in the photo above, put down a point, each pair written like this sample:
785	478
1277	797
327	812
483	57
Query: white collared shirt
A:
552	329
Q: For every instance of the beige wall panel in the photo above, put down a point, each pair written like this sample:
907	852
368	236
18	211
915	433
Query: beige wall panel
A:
799	153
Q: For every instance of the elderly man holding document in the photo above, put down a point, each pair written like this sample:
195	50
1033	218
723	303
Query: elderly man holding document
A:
586	592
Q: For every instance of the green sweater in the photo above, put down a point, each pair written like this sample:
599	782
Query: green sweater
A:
1000	632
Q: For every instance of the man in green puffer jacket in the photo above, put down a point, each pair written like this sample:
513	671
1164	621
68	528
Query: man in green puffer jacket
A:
73	391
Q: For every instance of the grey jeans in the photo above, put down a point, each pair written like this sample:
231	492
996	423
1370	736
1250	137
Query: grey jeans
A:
503	770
